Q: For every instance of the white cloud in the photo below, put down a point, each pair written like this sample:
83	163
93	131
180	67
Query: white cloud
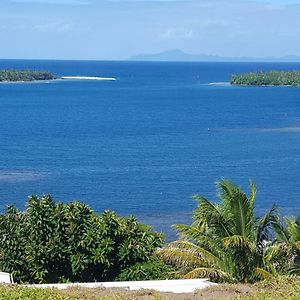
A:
179	33
148	0
58	27
284	2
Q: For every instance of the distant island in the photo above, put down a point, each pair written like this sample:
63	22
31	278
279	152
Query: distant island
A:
25	75
178	55
272	78
33	75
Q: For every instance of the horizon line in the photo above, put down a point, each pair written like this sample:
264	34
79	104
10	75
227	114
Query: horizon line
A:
241	60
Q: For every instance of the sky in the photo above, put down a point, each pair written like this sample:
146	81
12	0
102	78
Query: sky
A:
119	29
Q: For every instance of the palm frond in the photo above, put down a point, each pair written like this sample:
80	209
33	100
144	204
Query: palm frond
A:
203	255
297	245
209	213
211	273
282	234
200	238
253	192
180	257
238	207
262	273
237	241
277	258
266	224
293	227
190	232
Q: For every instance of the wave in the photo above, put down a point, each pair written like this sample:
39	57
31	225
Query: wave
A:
19	175
281	129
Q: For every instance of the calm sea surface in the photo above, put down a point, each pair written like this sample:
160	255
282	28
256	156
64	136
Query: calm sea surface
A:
145	143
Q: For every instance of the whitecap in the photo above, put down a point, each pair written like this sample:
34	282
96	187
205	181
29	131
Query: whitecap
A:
20	175
281	129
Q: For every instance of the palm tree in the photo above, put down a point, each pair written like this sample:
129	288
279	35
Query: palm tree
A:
226	242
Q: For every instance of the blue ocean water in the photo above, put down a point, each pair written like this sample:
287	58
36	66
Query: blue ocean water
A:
145	143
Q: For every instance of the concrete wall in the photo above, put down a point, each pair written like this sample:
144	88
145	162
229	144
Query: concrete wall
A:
173	286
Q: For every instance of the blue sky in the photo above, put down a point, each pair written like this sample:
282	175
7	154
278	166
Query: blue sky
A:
118	29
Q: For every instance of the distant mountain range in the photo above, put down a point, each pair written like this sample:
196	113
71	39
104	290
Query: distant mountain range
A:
178	55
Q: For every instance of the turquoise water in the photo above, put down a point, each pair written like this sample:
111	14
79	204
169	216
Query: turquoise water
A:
145	143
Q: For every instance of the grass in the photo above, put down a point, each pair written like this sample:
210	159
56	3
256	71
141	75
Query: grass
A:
21	293
283	288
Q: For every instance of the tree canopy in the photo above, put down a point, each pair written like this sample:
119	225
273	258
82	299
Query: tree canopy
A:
261	78
25	75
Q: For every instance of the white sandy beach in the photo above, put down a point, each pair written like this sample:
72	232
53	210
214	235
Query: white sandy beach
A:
219	83
88	78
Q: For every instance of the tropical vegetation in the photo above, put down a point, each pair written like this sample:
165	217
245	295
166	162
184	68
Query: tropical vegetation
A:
68	242
262	78
228	243
62	242
25	75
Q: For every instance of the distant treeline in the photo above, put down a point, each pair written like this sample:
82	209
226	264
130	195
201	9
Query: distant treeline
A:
283	78
25	75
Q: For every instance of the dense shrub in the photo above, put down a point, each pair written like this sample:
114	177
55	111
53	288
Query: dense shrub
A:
58	242
154	268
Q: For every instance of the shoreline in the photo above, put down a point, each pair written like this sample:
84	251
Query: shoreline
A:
62	78
266	85
87	78
227	83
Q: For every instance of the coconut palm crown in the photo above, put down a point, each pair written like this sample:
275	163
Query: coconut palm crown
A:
226	242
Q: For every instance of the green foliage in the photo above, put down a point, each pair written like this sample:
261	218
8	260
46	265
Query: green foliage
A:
285	252
25	75
56	242
226	242
289	78
154	268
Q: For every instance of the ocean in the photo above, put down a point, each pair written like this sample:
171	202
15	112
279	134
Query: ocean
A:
145	143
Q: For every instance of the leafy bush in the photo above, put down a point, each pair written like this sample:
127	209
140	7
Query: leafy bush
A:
57	242
154	268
